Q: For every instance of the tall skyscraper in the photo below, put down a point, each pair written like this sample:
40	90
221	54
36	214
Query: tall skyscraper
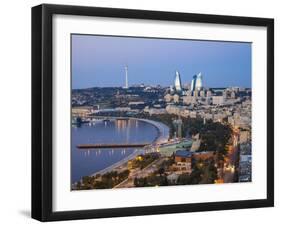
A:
177	84
199	82
193	82
126	77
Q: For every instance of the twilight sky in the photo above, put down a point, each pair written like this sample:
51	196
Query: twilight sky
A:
100	61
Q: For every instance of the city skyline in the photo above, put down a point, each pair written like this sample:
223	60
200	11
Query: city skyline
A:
99	61
184	132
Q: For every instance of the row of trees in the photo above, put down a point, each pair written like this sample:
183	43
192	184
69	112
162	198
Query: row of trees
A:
189	126
151	181
204	172
158	178
113	178
214	135
107	180
144	160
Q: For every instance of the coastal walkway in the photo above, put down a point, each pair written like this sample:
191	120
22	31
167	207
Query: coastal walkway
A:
118	164
163	131
163	136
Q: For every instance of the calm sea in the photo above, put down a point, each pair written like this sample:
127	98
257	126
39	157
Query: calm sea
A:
85	162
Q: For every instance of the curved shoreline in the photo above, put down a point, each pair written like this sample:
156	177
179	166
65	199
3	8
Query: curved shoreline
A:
163	130
117	164
163	136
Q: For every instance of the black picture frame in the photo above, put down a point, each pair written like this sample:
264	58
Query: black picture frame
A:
42	111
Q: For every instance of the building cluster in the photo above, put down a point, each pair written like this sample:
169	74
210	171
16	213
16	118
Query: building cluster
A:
238	115
183	161
245	163
230	105
226	105
197	94
242	115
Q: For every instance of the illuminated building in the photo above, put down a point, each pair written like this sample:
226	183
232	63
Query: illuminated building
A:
199	82
177	82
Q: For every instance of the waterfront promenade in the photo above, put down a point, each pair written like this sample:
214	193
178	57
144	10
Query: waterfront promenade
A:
163	130
119	163
163	136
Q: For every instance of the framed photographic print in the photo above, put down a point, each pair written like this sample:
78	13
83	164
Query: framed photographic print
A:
145	112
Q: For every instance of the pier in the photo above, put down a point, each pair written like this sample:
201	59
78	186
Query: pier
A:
163	135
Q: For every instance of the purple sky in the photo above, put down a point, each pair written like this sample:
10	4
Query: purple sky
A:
100	61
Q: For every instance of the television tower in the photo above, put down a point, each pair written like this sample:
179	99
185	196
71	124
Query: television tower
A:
126	77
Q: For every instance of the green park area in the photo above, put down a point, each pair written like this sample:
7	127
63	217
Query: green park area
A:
169	149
